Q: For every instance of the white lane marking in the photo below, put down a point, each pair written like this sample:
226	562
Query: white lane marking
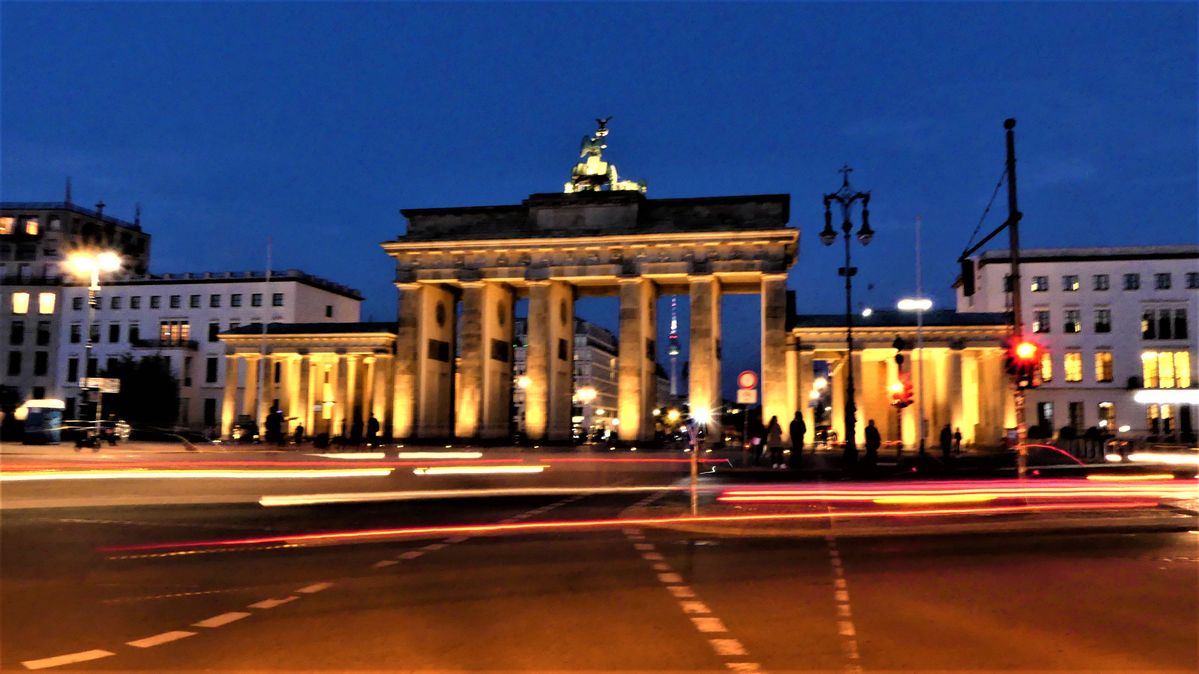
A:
845	628
694	607
681	591
709	624
222	619
670	578
433	547
644	547
384	563
411	554
743	666
841	596
727	646
314	588
163	638
661	566
842	610
652	556
839	583
69	658
272	603
631	532
457	539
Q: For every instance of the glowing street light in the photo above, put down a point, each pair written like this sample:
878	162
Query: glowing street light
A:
88	265
523	381
586	394
672	415
918	305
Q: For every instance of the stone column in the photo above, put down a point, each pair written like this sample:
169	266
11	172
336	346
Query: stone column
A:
550	361
354	389
953	392
435	362
774	358
380	402
229	403
304	397
859	401
803	389
837	401
268	390
496	413
368	390
704	381
636	370
341	395
251	389
892	430
404	377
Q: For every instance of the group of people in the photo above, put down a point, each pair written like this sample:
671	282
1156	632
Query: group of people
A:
276	434
769	438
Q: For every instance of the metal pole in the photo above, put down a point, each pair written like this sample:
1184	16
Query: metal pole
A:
1014	215
920	343
93	297
261	365
694	440
851	447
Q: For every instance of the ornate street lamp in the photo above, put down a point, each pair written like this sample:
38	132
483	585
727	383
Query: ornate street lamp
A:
846	197
88	265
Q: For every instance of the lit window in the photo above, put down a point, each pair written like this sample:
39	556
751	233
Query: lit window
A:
45	303
1161	281
174	333
1103	320
1073	366
1070	283
7	225
1103	366
1040	284
20	303
1046	367
1132	281
1166	369
1101	282
1073	322
1040	320
32	226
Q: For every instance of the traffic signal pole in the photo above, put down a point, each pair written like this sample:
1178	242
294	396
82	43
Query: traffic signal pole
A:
1013	223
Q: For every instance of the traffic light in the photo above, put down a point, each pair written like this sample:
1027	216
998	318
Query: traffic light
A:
1023	362
901	393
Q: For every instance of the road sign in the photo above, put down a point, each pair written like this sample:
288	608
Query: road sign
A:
103	384
747	396
748	379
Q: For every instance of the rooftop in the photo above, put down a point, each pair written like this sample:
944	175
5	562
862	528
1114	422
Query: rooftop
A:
26	206
1172	252
891	318
314	328
241	277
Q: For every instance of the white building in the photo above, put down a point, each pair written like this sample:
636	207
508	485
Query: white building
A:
1115	321
179	316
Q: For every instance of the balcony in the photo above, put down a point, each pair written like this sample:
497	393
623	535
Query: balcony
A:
190	344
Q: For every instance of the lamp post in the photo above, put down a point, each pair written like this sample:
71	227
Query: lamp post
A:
846	197
88	265
919	305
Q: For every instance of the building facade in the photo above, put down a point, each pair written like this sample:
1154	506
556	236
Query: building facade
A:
1116	322
35	240
180	317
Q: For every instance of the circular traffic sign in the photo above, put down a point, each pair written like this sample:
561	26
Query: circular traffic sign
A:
747	379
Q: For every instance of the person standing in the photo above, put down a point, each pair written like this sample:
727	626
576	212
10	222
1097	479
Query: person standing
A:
946	440
873	441
774	441
798	430
372	431
957	441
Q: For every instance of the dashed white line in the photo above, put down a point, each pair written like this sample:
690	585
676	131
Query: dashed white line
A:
694	607
644	547
222	619
743	666
68	659
411	554
384	563
457	539
272	603
314	588
165	637
681	591
727	647
709	624
433	547
670	578
652	556
661	566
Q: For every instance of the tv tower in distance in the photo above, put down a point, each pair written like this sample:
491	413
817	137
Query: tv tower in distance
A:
674	348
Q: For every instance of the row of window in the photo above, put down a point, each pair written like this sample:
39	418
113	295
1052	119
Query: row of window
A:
29	226
1102	282
176	301
1159	323
41	363
1159	369
171	332
45	303
16	333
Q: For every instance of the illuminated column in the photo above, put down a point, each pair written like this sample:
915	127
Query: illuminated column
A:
953	377
304	394
550	360
860	420
636	379
704	384
404	390
369	368
435	361
341	395
353	390
251	389
891	431
803	388
268	388
775	401
497	360
380	402
229	404
836	416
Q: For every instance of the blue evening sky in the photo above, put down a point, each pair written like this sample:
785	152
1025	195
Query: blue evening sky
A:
314	123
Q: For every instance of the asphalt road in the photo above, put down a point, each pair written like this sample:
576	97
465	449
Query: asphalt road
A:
610	599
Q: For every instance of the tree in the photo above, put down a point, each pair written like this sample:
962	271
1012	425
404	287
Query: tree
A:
149	391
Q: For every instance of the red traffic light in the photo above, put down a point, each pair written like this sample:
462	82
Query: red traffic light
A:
1023	361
